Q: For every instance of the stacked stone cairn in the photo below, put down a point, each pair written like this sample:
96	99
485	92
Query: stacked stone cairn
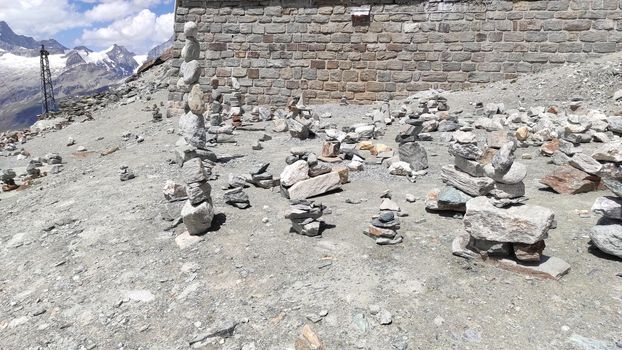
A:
304	216
304	177
7	176
607	234
383	228
192	123
237	198
260	177
488	186
235	102
156	114
493	173
298	120
198	212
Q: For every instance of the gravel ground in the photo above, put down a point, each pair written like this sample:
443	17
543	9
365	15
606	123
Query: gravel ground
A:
85	261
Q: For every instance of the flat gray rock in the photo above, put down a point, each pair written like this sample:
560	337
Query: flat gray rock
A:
586	163
609	207
524	224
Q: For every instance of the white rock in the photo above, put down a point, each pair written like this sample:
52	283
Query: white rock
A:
294	173
610	207
198	219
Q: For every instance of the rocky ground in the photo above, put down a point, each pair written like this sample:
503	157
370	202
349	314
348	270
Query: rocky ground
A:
88	262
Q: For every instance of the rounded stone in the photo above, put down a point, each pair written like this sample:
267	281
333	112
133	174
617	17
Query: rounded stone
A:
514	175
190	29
522	133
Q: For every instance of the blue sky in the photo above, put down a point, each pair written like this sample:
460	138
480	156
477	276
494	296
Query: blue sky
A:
136	24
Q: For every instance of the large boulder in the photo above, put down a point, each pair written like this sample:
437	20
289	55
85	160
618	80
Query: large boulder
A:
522	224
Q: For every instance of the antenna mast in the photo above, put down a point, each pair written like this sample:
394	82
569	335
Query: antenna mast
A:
48	103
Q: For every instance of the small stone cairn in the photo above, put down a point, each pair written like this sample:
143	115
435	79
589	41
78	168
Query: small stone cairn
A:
304	216
383	228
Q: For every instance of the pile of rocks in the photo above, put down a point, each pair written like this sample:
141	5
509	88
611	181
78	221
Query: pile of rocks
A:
493	173
7	176
198	211
304	216
579	172
304	177
508	176
429	110
237	198
383	228
465	179
260	177
512	238
607	234
156	115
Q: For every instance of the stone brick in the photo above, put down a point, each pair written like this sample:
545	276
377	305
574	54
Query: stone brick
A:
318	64
355	87
578	25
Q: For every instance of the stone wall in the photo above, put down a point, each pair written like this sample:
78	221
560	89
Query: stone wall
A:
280	48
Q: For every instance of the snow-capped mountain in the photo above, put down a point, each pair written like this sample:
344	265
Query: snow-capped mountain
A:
79	71
159	50
25	45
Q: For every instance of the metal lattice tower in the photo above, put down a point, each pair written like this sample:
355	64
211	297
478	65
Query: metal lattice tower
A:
48	102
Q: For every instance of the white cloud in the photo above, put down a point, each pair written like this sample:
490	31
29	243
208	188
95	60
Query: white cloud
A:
109	10
138	33
40	18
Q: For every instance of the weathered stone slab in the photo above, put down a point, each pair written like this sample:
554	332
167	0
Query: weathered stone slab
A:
524	224
614	186
585	163
315	186
474	186
470	167
569	180
549	267
609	152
